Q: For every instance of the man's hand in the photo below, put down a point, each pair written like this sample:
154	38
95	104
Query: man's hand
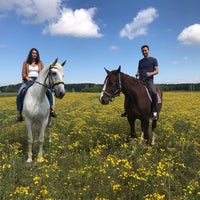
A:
137	75
149	74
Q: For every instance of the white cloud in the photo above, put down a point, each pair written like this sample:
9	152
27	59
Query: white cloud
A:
176	62
140	23
77	23
113	48
33	11
41	11
7	4
190	35
60	20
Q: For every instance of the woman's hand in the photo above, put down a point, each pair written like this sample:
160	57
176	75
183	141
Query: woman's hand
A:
29	79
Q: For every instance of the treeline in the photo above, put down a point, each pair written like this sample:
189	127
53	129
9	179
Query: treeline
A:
180	87
79	87
91	87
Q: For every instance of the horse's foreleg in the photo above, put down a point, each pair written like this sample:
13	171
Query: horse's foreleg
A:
142	129
30	143
154	123
132	127
49	132
145	129
41	142
50	137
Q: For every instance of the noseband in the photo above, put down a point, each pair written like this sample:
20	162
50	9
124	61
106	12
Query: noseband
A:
117	92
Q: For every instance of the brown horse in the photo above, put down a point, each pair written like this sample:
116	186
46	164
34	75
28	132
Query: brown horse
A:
137	100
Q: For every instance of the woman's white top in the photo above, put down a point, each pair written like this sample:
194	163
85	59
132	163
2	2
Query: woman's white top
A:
33	71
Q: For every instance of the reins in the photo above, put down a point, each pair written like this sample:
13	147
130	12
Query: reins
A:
45	85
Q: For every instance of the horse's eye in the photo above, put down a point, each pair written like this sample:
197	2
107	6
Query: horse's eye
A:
53	73
112	82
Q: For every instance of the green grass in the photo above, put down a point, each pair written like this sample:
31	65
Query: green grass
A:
90	158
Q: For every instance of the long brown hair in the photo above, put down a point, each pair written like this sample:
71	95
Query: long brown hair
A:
29	58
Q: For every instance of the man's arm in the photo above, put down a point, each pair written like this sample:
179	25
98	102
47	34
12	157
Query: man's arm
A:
154	72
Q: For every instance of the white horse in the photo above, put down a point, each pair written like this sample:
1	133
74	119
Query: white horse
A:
36	106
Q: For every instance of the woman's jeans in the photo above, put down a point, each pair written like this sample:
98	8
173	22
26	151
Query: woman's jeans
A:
20	97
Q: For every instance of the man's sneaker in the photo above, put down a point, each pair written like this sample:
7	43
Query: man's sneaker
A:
53	114
20	118
155	115
124	114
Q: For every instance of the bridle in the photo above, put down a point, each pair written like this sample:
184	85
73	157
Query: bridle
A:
116	92
51	83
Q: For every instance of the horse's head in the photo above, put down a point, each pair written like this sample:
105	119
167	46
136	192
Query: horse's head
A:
112	86
56	75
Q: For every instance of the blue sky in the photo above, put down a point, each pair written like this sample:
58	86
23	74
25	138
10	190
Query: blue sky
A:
93	34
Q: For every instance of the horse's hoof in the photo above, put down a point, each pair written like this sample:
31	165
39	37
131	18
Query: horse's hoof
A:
29	160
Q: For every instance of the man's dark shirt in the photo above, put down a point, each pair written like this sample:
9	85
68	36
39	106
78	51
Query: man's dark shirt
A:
147	65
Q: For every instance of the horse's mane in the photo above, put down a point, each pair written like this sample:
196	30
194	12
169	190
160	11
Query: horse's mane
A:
131	86
44	71
131	79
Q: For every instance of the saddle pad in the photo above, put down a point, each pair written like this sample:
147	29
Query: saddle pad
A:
159	99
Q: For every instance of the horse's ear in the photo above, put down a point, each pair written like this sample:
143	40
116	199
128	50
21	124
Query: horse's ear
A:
107	71
62	64
119	68
56	60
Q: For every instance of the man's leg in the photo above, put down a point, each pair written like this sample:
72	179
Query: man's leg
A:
154	101
152	89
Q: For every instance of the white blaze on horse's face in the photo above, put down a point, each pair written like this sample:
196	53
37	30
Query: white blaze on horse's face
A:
104	100
104	88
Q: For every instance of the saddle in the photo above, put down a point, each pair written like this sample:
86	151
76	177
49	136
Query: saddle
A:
149	95
24	90
149	92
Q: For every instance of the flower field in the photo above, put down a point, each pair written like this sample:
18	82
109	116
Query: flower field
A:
89	156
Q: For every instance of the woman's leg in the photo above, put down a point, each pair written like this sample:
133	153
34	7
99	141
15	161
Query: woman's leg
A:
19	102
50	98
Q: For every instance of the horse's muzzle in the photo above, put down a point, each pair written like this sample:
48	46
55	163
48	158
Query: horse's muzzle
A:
104	101
60	95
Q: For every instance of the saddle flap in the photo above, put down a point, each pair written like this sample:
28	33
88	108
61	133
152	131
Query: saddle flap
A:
148	93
